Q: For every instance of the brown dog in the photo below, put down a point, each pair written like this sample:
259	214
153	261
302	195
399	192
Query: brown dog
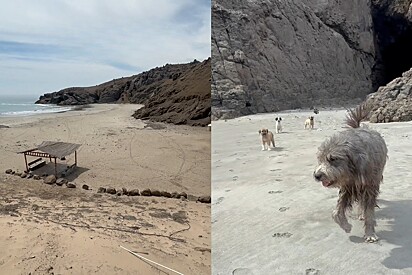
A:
267	139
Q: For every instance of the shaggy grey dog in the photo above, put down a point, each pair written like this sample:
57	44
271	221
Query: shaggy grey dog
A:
353	161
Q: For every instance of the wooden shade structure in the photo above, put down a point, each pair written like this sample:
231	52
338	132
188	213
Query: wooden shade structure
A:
51	150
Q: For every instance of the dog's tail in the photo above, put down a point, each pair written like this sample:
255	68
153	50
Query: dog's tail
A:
273	141
354	117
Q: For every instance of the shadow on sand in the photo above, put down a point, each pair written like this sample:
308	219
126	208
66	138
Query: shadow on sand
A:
398	215
70	176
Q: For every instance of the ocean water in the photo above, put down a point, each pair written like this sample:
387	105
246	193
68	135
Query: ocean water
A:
11	106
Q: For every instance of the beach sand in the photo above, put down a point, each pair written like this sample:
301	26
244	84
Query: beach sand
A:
269	216
50	229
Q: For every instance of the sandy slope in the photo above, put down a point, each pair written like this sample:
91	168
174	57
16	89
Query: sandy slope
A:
270	217
56	230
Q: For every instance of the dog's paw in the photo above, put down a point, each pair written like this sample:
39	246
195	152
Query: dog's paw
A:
371	238
342	221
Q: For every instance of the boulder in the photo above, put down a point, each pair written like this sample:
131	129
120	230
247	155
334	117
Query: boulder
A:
146	192
71	185
133	192
50	179
165	194
61	181
156	193
204	199
111	190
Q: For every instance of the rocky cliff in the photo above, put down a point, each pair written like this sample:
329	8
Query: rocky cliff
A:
392	102
274	55
185	100
177	93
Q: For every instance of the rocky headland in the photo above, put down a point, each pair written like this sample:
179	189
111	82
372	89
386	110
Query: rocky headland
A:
174	93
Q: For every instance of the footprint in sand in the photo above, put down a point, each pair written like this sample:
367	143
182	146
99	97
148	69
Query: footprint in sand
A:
282	235
227	190
274	170
219	200
235	178
312	271
283	209
275	192
231	170
278	180
242	271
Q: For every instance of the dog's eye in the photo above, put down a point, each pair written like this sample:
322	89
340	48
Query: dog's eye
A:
331	159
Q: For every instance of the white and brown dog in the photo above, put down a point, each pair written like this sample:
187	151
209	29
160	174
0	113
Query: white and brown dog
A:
278	125
267	139
310	122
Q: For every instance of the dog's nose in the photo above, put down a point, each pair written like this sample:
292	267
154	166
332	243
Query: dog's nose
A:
317	176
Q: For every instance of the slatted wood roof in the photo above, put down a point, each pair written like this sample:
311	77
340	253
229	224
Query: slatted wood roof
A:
54	149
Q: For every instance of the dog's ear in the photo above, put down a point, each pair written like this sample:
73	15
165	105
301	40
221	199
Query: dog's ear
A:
357	165
276	119
267	130
260	131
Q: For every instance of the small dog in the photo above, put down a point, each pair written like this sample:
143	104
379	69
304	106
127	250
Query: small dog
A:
310	122
353	161
278	125
267	139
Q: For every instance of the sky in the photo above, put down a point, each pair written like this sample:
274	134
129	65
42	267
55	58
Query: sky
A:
48	45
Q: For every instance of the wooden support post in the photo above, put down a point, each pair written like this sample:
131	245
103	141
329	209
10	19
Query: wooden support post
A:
75	158
55	167
25	160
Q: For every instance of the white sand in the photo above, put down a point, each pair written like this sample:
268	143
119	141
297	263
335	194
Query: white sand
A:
269	216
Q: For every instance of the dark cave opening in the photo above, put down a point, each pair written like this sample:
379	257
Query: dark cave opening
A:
393	40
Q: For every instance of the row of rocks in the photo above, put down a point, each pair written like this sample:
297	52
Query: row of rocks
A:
51	179
58	181
150	192
47	179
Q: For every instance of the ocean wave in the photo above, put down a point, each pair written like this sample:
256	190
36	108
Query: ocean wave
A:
16	104
38	111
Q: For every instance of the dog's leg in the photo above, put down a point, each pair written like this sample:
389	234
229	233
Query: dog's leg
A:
263	146
339	216
361	212
369	210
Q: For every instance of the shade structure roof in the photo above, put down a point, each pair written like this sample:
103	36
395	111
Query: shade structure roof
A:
56	149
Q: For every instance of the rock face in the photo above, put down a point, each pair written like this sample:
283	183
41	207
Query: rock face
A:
178	94
275	55
392	102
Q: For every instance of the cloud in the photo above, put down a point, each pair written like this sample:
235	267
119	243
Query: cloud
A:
111	38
